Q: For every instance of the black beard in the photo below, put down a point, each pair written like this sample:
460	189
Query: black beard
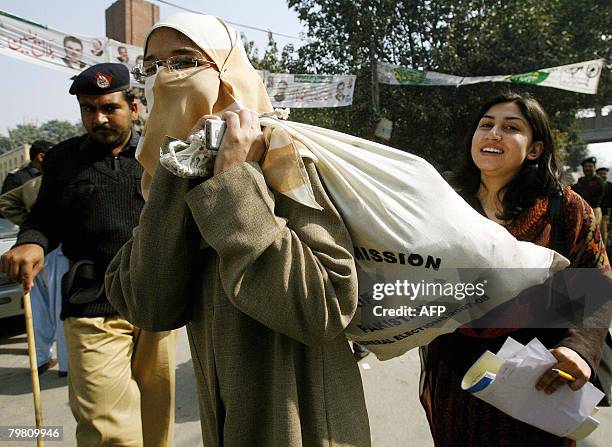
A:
108	142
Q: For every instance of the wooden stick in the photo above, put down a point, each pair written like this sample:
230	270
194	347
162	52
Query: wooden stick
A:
27	309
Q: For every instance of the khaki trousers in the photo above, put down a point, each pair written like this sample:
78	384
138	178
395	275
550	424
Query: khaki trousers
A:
120	382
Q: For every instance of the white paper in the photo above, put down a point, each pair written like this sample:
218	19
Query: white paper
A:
513	390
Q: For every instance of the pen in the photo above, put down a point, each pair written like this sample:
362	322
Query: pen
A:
563	374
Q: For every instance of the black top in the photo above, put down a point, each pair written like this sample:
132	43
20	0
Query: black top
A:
89	201
606	202
590	189
18	177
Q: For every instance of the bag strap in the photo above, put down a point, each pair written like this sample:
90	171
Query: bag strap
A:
557	221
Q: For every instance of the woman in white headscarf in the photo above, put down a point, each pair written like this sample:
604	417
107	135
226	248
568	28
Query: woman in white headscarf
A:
265	285
219	78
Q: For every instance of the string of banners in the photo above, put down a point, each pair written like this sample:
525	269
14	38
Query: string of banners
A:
72	53
582	77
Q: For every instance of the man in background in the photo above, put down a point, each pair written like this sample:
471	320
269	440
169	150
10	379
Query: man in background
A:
591	187
19	176
606	204
46	295
121	378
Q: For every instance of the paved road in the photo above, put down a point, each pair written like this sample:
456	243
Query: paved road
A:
396	417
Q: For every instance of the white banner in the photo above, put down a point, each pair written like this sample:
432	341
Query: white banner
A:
306	90
582	77
70	53
125	54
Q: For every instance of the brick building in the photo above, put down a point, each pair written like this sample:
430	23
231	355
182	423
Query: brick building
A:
128	20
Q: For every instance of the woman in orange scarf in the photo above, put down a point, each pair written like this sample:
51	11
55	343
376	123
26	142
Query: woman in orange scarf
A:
511	177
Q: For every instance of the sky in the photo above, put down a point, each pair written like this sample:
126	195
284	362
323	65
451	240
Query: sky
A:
33	94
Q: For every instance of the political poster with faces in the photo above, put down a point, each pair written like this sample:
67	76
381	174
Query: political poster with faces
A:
72	53
309	90
68	52
128	55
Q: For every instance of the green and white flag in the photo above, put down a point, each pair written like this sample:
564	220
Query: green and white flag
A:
582	77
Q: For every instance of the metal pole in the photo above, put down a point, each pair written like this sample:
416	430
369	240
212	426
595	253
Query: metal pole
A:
375	96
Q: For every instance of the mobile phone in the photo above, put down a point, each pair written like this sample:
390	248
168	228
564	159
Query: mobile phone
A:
214	130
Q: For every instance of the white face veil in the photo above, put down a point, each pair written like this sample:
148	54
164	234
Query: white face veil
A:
182	97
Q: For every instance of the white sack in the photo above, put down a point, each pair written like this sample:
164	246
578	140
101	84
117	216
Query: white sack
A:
398	205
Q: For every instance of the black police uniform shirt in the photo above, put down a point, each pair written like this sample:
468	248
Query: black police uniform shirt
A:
89	201
591	189
18	177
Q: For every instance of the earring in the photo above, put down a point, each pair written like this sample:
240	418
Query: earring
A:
533	164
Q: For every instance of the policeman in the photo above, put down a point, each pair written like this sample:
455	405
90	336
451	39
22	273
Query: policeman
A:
606	204
18	177
591	187
121	378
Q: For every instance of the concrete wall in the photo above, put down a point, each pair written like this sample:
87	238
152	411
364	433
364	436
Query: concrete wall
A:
597	129
13	159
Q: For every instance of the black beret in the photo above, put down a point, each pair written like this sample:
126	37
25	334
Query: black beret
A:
39	146
101	79
602	169
589	160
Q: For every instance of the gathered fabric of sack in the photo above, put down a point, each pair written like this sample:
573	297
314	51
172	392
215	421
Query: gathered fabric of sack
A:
406	223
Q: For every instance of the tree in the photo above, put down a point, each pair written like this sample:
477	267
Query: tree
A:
272	60
53	131
57	131
24	134
251	50
5	144
466	38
